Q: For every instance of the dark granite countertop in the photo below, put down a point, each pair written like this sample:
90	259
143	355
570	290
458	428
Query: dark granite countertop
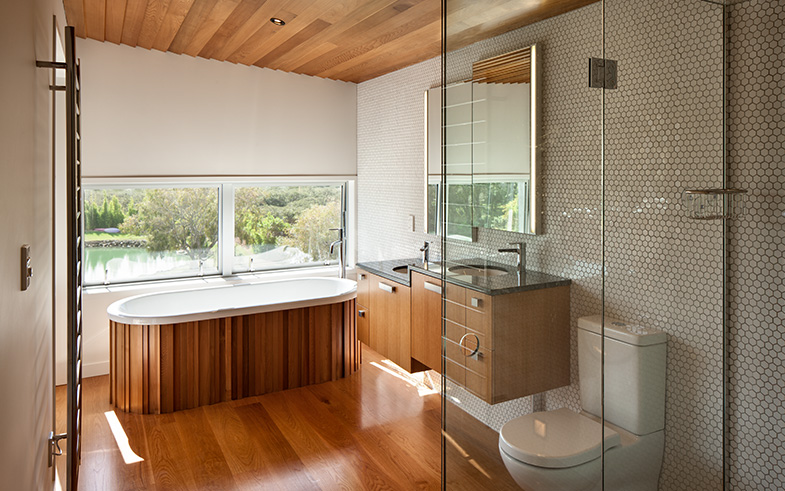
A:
490	285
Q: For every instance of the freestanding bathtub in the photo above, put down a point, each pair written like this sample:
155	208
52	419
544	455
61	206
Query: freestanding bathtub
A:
178	350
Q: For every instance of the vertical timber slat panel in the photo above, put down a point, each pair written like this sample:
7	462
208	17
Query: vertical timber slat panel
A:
145	369
135	383
112	369
226	362
155	370
166	368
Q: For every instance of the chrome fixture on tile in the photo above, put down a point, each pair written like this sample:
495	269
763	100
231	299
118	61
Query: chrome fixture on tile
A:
520	249
712	204
426	253
340	244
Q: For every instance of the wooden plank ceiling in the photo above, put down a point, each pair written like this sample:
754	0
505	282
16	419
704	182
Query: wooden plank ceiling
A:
350	40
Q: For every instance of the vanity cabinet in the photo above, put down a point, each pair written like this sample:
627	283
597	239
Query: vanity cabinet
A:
363	310
387	317
498	347
426	321
507	346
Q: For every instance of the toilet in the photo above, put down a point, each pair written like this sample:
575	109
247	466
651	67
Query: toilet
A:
561	449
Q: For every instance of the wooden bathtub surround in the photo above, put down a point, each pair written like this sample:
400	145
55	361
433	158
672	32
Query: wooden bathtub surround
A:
166	368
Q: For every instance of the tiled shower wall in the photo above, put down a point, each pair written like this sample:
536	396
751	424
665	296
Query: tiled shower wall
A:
756	145
663	135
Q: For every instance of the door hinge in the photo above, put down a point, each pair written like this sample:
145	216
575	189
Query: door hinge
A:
54	446
602	73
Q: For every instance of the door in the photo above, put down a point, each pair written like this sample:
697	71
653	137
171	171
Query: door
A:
525	66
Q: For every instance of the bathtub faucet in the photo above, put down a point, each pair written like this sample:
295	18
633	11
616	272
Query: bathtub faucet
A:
341	248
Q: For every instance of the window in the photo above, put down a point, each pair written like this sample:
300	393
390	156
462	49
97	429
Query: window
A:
493	202
150	232
285	226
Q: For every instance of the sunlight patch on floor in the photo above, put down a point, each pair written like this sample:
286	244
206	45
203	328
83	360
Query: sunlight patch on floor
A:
421	381
57	486
463	453
121	438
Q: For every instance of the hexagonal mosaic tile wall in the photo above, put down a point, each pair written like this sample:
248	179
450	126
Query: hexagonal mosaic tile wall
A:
663	135
756	146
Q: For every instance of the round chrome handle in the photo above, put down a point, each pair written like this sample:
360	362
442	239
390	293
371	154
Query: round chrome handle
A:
476	350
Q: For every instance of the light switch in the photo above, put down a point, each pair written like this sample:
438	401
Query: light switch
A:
414	223
27	268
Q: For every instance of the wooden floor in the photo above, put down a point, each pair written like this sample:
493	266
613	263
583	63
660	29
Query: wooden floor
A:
369	431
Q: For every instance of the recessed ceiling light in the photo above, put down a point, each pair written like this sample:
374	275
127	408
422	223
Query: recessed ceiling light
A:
277	21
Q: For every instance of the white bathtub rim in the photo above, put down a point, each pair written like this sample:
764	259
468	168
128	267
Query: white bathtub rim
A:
114	313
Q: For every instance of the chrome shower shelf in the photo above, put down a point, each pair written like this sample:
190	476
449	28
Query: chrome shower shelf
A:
713	204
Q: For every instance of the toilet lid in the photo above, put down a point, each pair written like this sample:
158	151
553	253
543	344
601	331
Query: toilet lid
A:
554	439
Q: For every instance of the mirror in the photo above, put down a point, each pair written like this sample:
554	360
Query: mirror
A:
491	162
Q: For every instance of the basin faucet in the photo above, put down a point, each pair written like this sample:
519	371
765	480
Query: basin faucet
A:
340	244
520	249
426	253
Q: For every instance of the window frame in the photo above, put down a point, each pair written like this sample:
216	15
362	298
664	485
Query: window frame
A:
226	213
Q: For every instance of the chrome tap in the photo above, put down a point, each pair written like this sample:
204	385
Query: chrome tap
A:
520	250
426	253
341	245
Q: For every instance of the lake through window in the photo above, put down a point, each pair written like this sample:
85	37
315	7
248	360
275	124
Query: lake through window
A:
142	233
285	226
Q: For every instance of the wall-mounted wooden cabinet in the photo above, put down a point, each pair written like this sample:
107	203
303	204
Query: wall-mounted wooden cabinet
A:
498	347
363	307
427	320
507	346
387	313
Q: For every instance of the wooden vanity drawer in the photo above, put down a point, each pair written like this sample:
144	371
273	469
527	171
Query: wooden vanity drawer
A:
455	293
479	321
455	372
363	325
478	385
452	351
481	364
454	332
363	288
454	312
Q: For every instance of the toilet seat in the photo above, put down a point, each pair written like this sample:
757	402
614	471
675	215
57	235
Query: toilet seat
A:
555	439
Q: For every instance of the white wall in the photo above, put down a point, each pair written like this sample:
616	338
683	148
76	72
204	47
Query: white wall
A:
153	113
26	403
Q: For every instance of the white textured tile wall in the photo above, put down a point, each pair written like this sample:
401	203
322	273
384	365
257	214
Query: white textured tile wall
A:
663	135
390	162
756	145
